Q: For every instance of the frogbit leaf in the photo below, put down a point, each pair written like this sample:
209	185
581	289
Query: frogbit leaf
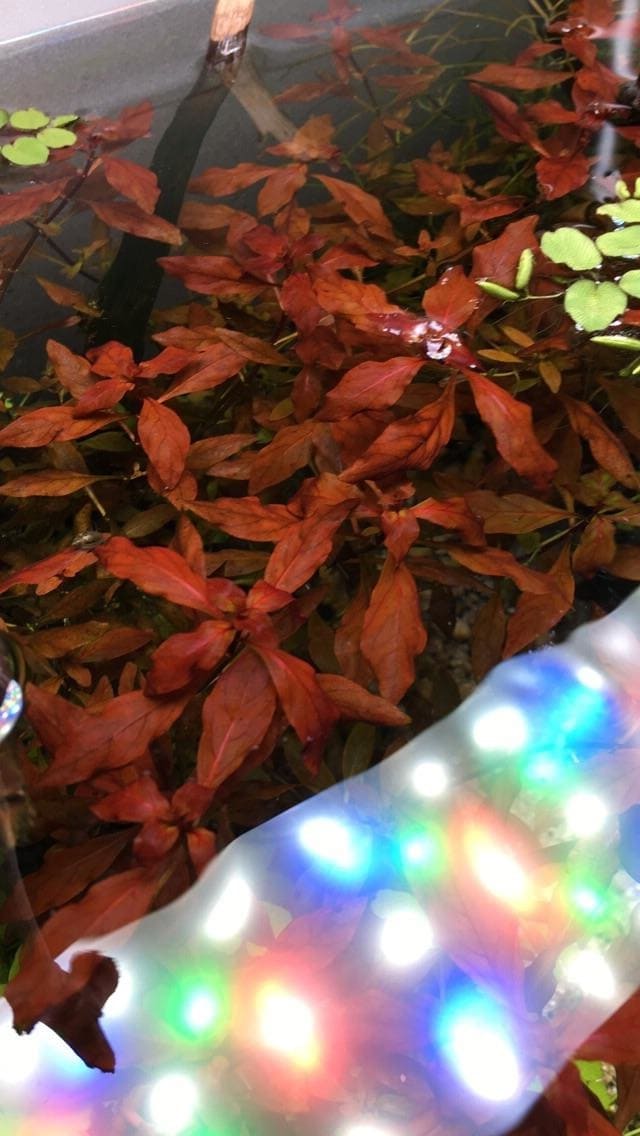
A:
623	341
497	290
26	152
4	117
525	268
594	306
64	119
621	211
620	242
572	247
30	119
56	138
630	281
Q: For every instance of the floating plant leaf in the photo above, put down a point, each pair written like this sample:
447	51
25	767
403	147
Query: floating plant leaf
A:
4	117
630	282
624	211
572	247
622	190
56	138
525	268
594	306
626	342
621	242
498	290
25	152
64	119
30	119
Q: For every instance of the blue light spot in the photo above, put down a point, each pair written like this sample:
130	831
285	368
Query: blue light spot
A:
476	1045
336	846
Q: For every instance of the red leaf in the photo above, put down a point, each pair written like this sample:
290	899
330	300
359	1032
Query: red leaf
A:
498	260
474	210
169	362
104	736
213	367
452	300
66	872
129	218
519	78
49	424
136	182
72	371
370	386
300	552
201	845
280	187
511	423
103	396
113	360
154	841
454	513
608	451
220	181
138	802
354	701
401	531
251	347
16	206
231	727
47	483
288	452
560	175
498	562
210	275
306	706
410	443
515	512
50	571
436	181
349	298
157	571
188	656
165	440
393	633
362	207
537	614
507	117
597	547
247	518
314	139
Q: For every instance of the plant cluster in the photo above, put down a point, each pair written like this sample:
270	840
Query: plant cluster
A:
27	137
254	534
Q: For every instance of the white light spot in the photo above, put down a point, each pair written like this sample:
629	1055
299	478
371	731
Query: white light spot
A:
120	1001
18	1055
590	677
484	1060
500	873
366	1130
503	729
172	1104
230	912
590	972
430	778
287	1025
201	1011
406	937
586	814
330	840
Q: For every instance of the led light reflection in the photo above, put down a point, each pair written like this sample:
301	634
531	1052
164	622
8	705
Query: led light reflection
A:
590	972
333	843
406	937
477	1047
19	1056
172	1104
498	871
10	708
430	779
500	730
586	814
287	1025
230	912
120	1001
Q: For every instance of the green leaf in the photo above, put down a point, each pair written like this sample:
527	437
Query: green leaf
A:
622	211
4	117
624	341
498	290
525	268
570	246
630	282
622	191
30	119
25	152
621	242
592	1075
55	137
594	306
64	119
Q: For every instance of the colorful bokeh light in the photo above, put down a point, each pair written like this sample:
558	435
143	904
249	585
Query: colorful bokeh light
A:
336	846
287	1025
477	1048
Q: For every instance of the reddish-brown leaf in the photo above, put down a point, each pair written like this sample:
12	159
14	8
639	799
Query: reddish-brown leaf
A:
487	637
519	78
17	206
51	570
47	483
357	302
73	372
66	872
626	564
233	724
410	443
280	187
137	802
370	386
305	705
188	656
515	512
136	182
498	260
354	701
393	632
211	275
536	614
452	300
222	181
507	118
50	424
314	139
113	360
130	218
157	571
213	366
499	562
168	362
252	348
511	423
401	531
105	395
563	174
475	210
247	518
454	513
597	546
104	736
362	207
288	452
301	551
66	297
165	440
607	449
